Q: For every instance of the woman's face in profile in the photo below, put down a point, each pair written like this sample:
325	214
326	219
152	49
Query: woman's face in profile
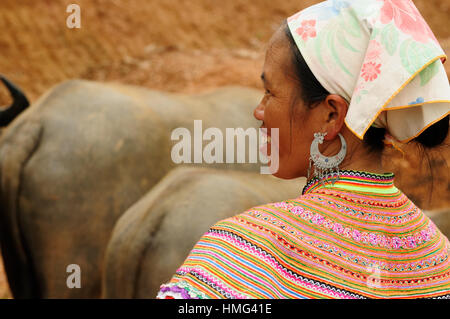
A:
283	108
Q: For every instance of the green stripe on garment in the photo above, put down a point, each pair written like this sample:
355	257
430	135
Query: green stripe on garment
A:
369	189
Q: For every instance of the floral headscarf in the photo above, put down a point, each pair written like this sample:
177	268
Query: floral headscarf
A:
382	57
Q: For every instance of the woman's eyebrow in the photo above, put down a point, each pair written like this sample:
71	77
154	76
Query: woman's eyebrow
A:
264	79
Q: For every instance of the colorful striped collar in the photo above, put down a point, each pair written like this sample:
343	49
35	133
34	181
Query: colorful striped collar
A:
358	181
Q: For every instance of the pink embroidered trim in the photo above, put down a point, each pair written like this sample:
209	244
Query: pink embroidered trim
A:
213	280
374	239
358	259
279	267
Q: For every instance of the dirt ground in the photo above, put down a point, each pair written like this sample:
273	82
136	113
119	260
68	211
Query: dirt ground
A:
179	46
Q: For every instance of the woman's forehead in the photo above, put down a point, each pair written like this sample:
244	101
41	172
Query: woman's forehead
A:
277	57
278	41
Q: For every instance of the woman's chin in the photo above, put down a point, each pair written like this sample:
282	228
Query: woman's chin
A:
285	173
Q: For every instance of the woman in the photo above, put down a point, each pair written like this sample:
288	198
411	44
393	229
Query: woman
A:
342	79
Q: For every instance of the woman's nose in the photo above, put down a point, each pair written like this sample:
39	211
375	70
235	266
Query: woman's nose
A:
258	113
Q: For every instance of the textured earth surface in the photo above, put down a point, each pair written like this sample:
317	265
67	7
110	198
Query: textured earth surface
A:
179	46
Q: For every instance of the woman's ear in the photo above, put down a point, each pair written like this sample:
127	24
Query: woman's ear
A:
337	108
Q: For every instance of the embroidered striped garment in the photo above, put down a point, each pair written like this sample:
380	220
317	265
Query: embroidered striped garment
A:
359	238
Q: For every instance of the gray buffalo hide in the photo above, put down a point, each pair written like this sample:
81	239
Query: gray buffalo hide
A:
154	236
77	159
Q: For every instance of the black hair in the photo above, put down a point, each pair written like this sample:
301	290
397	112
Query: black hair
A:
312	92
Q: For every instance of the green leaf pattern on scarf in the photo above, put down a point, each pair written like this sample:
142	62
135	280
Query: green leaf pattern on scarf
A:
427	74
390	38
414	55
330	36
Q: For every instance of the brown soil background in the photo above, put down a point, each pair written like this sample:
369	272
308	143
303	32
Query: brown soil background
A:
179	46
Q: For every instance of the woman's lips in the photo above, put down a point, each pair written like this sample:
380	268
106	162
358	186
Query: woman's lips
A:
265	142
266	139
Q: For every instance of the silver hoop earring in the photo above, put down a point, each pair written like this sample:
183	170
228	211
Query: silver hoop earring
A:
325	166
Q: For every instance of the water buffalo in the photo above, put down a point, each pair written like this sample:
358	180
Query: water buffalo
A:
73	162
154	236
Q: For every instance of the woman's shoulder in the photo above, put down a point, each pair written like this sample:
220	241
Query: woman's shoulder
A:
236	250
268	222
260	252
269	211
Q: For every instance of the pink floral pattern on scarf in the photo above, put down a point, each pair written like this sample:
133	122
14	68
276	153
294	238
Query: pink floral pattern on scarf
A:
407	18
370	71
373	51
307	29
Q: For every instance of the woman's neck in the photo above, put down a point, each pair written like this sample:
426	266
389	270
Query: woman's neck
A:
358	158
